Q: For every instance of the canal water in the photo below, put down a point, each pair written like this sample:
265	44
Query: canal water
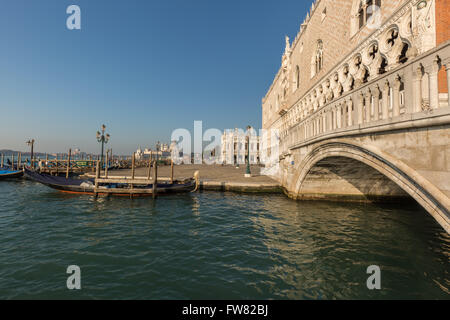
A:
215	246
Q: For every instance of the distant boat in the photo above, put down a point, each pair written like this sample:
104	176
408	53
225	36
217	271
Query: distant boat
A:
6	173
118	188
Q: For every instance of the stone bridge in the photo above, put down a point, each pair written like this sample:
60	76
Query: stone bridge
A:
387	140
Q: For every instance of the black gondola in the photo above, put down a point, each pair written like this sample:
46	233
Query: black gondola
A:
87	186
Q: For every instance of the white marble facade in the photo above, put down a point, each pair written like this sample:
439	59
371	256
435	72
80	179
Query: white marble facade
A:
234	147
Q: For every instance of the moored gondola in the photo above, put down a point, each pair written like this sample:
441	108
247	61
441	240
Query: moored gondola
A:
120	187
7	173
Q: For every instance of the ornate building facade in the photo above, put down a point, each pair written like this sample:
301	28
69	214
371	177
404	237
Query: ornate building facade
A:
361	106
235	144
343	44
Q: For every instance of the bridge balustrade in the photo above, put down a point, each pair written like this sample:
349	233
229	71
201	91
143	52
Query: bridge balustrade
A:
392	97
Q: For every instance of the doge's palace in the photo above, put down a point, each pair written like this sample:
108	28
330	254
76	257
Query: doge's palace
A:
360	104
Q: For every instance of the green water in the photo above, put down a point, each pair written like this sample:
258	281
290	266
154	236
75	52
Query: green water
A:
215	246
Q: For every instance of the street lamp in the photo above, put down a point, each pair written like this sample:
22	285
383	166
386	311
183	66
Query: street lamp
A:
248	174
31	143
103	138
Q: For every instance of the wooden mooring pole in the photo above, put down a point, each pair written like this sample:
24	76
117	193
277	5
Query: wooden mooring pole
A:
155	180
149	168
12	162
97	176
171	171
1	166
68	164
106	165
133	162
57	164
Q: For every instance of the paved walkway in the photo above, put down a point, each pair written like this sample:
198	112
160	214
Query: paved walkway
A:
214	177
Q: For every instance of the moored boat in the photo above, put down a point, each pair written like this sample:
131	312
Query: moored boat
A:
117	187
7	173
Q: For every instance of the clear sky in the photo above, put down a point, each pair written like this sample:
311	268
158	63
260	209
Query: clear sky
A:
141	67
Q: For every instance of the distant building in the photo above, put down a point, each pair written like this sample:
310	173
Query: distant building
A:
165	147
162	152
235	145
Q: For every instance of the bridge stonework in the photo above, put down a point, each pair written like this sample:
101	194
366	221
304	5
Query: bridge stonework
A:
374	127
385	166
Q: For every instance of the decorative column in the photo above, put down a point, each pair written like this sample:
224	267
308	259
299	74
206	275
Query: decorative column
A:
344	114
434	91
368	105
338	117
330	120
417	83
396	97
376	102
361	108
305	130
333	118
386	89
350	112
318	123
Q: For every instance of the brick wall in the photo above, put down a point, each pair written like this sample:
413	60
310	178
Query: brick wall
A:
442	35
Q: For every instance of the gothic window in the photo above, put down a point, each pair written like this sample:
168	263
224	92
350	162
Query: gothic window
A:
366	10
297	76
317	62
361	16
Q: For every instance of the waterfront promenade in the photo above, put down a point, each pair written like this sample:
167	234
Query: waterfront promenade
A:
213	177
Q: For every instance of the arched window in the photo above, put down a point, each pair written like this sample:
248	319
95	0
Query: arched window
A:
319	56
317	59
297	77
367	8
361	15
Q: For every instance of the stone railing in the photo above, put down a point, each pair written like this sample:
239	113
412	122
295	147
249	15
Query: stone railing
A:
392	100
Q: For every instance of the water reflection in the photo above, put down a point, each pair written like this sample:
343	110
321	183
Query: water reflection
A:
217	245
309	242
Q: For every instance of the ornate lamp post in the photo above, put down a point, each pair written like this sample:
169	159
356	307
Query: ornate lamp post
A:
248	174
103	139
31	144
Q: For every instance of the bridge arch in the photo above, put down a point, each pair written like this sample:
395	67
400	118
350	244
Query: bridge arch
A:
409	180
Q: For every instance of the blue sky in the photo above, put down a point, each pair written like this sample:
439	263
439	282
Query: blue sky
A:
141	67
